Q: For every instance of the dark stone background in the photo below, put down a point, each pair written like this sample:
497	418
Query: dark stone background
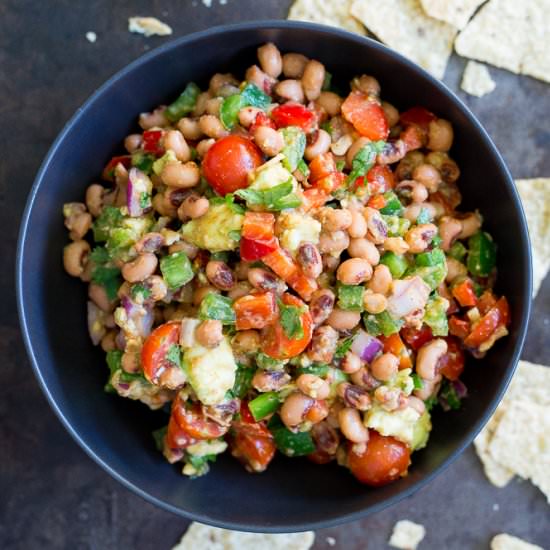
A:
52	494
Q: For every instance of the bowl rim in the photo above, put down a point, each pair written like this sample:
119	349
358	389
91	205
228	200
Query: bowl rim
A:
272	24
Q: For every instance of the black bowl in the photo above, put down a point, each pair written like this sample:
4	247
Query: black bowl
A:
293	495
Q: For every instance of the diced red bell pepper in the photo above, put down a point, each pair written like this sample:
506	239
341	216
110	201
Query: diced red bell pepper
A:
293	114
313	198
330	183
416	338
464	293
451	364
282	263
459	327
366	115
414	137
255	311
321	166
261	120
394	344
380	179
417	115
499	315
108	173
152	142
378	202
304	286
258	225
252	250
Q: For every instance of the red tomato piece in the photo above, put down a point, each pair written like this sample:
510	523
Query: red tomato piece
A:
252	445
378	202
459	327
451	364
258	225
384	460
176	438
416	338
464	293
282	263
293	114
394	344
321	166
380	179
108	173
414	137
486	301
499	315
252	250
229	161
321	457
331	182
155	348
191	420
261	120
366	115
313	198
417	115
277	344
151	142
255	310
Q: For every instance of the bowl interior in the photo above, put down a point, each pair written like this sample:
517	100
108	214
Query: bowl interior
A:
292	494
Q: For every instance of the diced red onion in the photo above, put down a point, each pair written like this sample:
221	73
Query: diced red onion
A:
123	386
460	389
140	315
366	346
138	185
408	295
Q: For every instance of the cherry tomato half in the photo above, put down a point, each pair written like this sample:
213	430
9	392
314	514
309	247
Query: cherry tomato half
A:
417	115
451	364
416	338
155	348
191	420
277	344
228	162
293	114
384	460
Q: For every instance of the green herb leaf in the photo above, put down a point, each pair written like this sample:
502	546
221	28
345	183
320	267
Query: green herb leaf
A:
218	307
448	393
424	216
109	278
430	403
158	436
143	161
417	381
295	145
100	255
343	347
340	165
458	251
235	234
139	291
254	97
109	218
114	360
234	207
364	160
393	204
303	167
243	381
173	355
184	104
318	369
291	321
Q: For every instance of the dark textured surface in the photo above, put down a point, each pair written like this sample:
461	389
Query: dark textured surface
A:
53	496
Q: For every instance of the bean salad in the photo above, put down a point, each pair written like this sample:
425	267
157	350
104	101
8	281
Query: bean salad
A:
280	264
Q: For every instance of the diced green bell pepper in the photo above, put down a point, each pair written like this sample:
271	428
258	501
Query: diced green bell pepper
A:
382	323
184	104
435	316
350	297
295	145
176	270
218	307
393	204
430	258
481	254
397	263
290	443
264	405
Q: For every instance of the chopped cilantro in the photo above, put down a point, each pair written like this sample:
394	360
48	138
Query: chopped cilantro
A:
343	347
173	355
108	278
364	160
140	291
417	381
291	321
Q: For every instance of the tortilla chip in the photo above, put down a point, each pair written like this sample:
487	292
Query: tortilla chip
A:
535	196
148	26
530	383
203	537
455	12
403	25
407	535
476	80
327	12
509	542
510	34
521	442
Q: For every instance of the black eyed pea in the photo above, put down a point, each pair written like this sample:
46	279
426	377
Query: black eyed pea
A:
341	319
358	226
290	90
352	426
321	305
270	380
270	59
247	116
354	271
320	145
265	280
391	113
330	102
200	105
313	78
190	250
75	257
78	224
455	269
219	81
246	341
175	141
94	199
182	176
193	206
241	288
397	245
366	84
333	242
418	238
449	230
470	225
130	362
156	119
428	356
310	260
294	65
190	128
268	140
132	142
213	106
427	175
209	333
335	219
203	146
108	342
356	146
313	386
374	302
295	408
157	287
259	78
211	126
351	363
139	269
220	275
98	295
363	248
385	367
440	135
433	210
